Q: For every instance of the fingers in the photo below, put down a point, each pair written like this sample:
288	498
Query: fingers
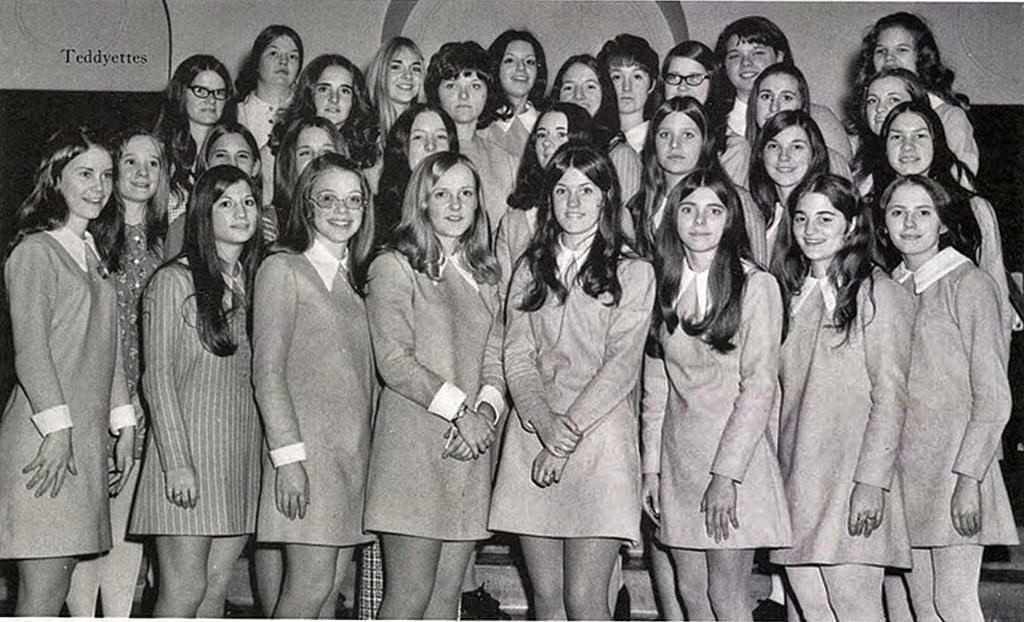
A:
71	465
58	481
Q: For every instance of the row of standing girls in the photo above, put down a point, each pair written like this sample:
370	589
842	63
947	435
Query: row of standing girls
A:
521	329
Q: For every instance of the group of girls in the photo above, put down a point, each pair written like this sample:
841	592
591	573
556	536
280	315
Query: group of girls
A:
703	303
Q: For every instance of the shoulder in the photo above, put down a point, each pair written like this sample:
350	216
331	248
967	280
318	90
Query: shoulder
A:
973	286
171	280
760	285
34	245
389	265
279	265
635	271
884	293
950	114
823	114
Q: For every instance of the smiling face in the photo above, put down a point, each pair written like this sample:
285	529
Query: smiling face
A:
311	142
576	202
820	230
279	62
632	87
426	136
235	215
677	145
787	157
581	86
552	132
338	206
85	183
883	95
701	220
138	170
208	110
895	48
909	145
463	97
687	69
452	203
777	92
913	224
233	150
332	94
404	76
518	70
744	61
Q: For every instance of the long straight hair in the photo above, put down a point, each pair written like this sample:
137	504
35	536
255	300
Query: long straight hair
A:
606	120
224	128
248	76
599	272
762	187
778	69
727	276
286	170
496	52
377	81
528	192
869	145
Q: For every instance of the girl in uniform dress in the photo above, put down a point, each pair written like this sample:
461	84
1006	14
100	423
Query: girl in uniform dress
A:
129	235
434	318
711	477
266	80
583	82
522	69
633	68
70	382
844	371
958	401
577	316
314	378
905	40
200	480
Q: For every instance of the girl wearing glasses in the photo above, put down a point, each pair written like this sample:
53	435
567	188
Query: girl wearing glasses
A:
199	486
314	378
54	436
266	80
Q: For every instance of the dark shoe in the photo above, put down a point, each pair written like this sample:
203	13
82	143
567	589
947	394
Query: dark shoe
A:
480	605
769	610
623	605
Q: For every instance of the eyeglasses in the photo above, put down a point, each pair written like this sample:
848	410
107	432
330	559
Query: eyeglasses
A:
202	92
691	79
329	202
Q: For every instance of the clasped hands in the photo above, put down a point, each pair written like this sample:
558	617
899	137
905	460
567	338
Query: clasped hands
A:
559	437
471	434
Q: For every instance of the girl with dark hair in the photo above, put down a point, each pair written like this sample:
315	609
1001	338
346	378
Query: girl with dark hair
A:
710	384
70	394
434	316
129	237
394	78
843	370
905	40
266	80
421	130
314	378
958	401
199	485
783	87
303	141
582	81
633	68
461	81
889	87
788	150
577	316
518	60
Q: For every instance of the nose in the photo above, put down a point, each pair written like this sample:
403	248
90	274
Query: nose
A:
890	59
745	60
906	143
573	199
578	94
333	95
430	145
784	155
699	217
773	107
238	210
464	92
520	66
910	221
627	85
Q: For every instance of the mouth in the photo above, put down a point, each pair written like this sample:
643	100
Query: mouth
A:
140	184
404	86
340	223
907	159
814	242
749	75
454	218
244	225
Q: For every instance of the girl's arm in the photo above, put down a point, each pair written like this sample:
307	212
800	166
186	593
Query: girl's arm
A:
959	134
623	349
522	374
492	373
758	340
628	168
652	416
991	261
753	222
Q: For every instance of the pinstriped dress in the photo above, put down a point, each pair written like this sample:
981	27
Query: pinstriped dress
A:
203	415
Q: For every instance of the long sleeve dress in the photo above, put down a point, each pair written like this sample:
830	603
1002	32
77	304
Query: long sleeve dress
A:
203	416
842	415
716	417
437	344
579	359
958	401
64	324
314	377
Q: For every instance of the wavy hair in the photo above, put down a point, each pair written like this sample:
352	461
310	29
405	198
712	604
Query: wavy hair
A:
248	76
377	82
606	121
536	96
458	58
528	192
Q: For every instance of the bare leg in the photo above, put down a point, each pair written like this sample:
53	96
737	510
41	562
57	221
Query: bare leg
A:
811	594
692	581
587	570
224	552
728	579
308	579
410	567
663	579
855	591
448	580
120	568
341	568
43	585
84	587
921	585
957	572
544	563
268	564
182	582
897	600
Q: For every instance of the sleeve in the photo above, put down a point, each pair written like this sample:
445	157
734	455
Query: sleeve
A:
758	340
981	332
275	303
991	261
164	329
122	413
267	167
391	308
31	279
623	349
886	326
735	160
832	130
503	252
652	413
492	373
628	168
522	374
838	164
959	134
753	221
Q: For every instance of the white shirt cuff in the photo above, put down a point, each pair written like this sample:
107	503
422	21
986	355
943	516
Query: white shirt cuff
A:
121	417
296	452
493	397
52	419
447	401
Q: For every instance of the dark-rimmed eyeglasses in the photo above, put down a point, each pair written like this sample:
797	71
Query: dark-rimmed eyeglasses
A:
202	92
691	79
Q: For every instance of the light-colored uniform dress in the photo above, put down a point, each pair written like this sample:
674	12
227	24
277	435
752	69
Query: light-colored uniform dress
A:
959	131
514	234
258	117
497	170
958	401
843	405
513	133
69	374
580	359
314	377
437	345
707	412
628	168
735	159
203	415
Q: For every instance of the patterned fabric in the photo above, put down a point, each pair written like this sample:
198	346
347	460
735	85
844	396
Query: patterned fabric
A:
371	582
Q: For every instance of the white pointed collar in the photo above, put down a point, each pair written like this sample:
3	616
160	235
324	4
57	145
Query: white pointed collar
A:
324	262
828	294
567	257
528	117
691	278
944	262
457	262
75	246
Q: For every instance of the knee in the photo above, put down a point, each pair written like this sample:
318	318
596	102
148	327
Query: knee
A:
184	588
547	598
724	597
